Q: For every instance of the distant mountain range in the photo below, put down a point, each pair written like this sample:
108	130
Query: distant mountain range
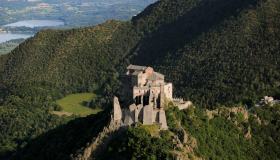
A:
73	13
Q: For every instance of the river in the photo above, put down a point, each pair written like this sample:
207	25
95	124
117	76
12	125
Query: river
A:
4	36
10	36
36	23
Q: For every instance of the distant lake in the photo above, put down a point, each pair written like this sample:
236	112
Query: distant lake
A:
36	23
10	36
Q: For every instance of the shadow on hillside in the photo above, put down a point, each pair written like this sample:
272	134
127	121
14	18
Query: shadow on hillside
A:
61	142
173	36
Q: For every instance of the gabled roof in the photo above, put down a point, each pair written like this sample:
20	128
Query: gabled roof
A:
135	67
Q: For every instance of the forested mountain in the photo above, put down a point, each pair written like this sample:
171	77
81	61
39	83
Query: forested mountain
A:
216	52
74	13
71	60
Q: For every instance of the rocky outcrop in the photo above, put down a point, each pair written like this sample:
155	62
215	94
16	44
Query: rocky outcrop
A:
181	104
257	119
229	113
236	115
248	134
185	146
98	144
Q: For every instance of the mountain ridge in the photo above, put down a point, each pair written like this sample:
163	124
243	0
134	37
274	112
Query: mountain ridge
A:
146	41
215	52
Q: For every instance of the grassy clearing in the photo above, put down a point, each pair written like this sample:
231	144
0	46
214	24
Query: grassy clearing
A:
73	104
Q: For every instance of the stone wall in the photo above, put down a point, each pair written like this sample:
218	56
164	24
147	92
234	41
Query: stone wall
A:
148	117
168	91
117	114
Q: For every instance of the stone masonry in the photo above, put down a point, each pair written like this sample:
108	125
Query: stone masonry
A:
144	96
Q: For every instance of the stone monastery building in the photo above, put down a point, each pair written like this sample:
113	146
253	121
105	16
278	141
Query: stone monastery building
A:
144	95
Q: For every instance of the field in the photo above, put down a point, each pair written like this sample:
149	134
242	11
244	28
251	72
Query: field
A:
73	104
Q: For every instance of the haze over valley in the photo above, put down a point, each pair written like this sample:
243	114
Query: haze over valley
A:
23	18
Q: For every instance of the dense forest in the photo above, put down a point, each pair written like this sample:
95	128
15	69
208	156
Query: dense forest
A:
215	52
233	57
224	136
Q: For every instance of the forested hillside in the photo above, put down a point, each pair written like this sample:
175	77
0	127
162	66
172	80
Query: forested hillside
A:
51	65
215	52
72	60
2	62
230	133
65	140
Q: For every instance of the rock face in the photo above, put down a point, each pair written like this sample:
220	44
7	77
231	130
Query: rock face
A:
186	145
181	104
98	144
228	112
248	134
268	101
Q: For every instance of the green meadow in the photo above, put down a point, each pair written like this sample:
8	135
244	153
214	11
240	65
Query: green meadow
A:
73	104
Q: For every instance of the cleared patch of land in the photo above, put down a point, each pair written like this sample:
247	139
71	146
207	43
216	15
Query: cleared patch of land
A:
73	104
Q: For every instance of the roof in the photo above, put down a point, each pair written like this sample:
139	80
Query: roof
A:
135	73
135	67
156	76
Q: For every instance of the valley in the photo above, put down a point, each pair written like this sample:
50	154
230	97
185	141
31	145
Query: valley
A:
74	13
222	55
35	23
23	19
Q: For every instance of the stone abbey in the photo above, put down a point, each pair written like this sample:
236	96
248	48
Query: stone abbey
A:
143	97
